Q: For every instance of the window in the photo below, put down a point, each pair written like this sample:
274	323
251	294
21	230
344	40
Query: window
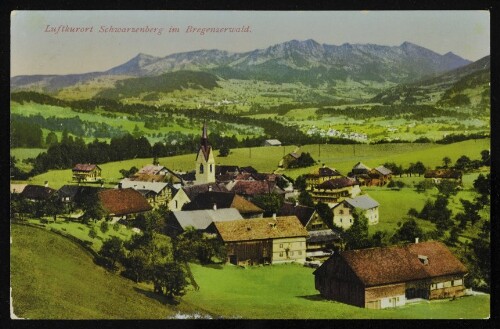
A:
350	220
433	286
447	284
341	212
176	204
439	285
281	245
210	168
281	254
458	282
201	168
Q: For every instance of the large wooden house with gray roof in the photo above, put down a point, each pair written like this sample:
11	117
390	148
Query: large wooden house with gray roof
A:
387	277
271	240
342	212
200	220
86	172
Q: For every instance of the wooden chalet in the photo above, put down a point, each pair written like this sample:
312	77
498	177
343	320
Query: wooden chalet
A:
123	203
86	173
270	240
379	176
320	176
388	277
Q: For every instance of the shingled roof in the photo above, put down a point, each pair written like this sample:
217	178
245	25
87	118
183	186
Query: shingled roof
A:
201	219
156	187
325	171
337	183
121	202
87	167
395	264
207	200
151	169
255	187
362	202
383	170
260	229
303	213
193	190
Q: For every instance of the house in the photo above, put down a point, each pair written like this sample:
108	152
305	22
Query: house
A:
360	169
271	240
379	176
220	200
86	173
37	192
123	203
322	175
250	189
188	193
156	173
271	142
288	159
342	212
157	193
248	169
387	277
321	238
447	174
179	221
226	169
335	190
205	162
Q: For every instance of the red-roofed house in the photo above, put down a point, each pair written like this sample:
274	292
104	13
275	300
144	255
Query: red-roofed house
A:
86	173
123	203
386	277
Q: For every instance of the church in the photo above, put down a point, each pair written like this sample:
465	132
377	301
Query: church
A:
205	163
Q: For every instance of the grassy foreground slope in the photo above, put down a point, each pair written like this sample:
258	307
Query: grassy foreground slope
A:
53	278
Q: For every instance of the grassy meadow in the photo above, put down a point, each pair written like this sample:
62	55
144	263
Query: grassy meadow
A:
68	285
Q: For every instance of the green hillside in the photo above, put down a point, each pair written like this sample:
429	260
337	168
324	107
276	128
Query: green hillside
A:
50	284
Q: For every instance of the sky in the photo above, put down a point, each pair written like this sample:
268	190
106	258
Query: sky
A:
39	46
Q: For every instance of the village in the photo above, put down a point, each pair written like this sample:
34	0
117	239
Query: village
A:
219	203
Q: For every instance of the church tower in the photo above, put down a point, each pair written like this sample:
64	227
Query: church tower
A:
205	163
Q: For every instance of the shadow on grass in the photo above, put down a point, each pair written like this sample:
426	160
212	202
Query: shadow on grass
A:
214	266
314	298
162	299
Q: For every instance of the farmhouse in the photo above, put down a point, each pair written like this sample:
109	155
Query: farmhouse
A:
289	159
86	173
179	221
157	193
220	200
272	142
342	212
444	174
37	192
388	277
263	240
335	190
379	176
123	203
322	175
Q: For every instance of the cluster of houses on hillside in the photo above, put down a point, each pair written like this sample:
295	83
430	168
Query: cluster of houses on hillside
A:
361	137
218	201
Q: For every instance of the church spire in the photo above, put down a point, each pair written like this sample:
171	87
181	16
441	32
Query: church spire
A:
204	135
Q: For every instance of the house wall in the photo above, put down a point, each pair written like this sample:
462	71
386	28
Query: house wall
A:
342	216
446	287
316	223
287	250
334	195
335	280
385	296
178	201
372	215
249	252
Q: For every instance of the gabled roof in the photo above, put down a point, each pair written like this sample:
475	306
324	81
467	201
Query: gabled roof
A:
338	183
225	169
246	187
303	213
156	187
190	176
193	190
151	169
248	169
323	236
68	191
362	202
360	165
201	219
272	142
207	200
260	229
294	155
383	170
394	264
123	201
443	173
37	192
85	167
325	171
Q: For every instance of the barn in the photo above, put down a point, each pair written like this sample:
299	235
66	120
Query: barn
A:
388	277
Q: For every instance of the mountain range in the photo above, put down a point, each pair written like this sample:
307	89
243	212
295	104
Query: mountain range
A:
308	62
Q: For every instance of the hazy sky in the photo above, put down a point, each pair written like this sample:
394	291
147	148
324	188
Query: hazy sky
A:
37	49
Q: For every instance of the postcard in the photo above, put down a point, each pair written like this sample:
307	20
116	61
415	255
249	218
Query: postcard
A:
250	164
